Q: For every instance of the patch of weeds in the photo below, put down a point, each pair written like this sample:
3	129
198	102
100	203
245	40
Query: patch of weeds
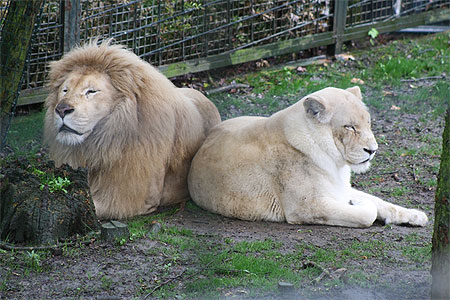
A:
359	278
179	238
431	183
70	251
255	264
54	183
140	226
25	133
33	260
106	282
417	254
254	246
364	250
399	191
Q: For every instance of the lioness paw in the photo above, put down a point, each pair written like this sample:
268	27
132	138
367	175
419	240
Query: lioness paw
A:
400	215
417	218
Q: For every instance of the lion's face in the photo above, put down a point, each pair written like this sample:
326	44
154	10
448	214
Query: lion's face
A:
83	99
353	136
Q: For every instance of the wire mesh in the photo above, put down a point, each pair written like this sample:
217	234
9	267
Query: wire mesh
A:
46	47
369	11
165	31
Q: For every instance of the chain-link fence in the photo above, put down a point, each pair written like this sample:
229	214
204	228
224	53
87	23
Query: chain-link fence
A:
166	32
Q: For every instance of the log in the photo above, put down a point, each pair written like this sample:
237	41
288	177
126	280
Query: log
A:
36	213
114	230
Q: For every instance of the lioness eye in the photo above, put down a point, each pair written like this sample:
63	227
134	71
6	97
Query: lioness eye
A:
350	127
64	90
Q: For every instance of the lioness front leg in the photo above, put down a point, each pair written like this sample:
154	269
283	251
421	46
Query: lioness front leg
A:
330	211
393	214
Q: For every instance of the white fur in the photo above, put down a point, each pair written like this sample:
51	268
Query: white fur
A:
295	166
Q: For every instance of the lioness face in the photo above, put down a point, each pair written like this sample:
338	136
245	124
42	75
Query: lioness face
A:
353	136
83	100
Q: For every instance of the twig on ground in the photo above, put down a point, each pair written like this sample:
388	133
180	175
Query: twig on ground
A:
163	284
173	278
227	88
423	78
9	247
311	264
414	173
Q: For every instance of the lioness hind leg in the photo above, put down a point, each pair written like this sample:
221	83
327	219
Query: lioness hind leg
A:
394	214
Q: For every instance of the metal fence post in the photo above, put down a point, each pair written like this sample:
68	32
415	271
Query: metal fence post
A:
339	20
72	17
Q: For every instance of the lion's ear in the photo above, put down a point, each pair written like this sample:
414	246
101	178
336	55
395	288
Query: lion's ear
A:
355	90
315	108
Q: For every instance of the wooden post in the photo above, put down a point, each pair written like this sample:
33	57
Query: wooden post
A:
72	17
339	20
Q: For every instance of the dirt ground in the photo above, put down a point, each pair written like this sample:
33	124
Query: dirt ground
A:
102	270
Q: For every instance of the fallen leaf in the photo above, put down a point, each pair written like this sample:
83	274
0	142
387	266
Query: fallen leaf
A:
387	93
301	69
357	81
344	57
393	107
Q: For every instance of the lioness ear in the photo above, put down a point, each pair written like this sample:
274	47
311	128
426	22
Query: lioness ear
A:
355	90
316	109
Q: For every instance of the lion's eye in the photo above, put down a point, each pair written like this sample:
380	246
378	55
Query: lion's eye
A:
351	128
90	92
65	90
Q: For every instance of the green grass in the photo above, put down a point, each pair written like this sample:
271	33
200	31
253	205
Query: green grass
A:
380	69
25	133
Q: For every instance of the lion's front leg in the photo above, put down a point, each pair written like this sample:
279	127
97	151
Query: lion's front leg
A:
393	214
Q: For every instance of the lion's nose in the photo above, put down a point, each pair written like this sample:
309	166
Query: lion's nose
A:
64	109
370	151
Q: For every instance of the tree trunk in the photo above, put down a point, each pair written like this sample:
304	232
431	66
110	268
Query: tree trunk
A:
34	211
440	270
16	36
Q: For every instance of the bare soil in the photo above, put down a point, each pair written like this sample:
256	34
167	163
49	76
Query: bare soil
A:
101	270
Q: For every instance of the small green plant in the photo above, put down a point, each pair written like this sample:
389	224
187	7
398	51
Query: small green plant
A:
373	33
33	260
106	282
53	183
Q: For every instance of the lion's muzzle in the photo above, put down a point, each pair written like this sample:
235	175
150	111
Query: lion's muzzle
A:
63	109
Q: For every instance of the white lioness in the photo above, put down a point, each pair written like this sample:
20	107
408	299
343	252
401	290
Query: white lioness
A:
295	166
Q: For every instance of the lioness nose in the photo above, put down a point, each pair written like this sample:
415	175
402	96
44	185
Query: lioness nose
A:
64	109
370	151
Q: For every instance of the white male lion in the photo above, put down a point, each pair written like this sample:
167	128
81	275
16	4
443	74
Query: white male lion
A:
295	166
136	132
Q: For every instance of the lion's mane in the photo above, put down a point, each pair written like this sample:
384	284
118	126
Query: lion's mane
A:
153	127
